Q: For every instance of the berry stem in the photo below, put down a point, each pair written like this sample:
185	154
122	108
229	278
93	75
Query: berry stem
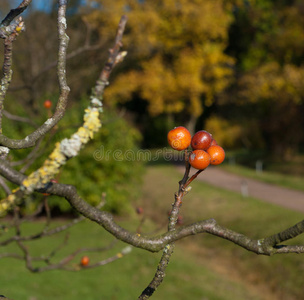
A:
186	174
193	177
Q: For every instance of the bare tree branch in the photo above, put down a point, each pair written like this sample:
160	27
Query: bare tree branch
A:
9	35
69	148
263	246
32	138
15	12
114	58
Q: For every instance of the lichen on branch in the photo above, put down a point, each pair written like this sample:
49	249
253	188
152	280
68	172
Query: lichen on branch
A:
63	151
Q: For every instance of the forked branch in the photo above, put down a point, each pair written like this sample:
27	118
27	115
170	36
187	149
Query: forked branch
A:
264	246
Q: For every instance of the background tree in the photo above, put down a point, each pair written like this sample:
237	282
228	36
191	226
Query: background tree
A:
206	65
175	50
266	39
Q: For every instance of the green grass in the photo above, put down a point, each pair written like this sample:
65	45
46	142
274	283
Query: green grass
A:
283	180
122	279
279	275
202	267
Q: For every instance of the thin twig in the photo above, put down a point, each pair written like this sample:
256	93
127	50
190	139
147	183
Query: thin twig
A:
5	186
19	119
15	12
32	138
169	248
113	59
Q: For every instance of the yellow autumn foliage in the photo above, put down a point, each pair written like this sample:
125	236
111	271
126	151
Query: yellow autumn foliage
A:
273	82
224	132
176	49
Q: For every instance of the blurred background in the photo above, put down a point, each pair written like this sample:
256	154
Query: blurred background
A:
231	67
234	68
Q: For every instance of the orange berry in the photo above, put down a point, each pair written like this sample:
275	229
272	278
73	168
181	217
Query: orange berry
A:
84	261
217	154
179	138
199	159
201	140
47	104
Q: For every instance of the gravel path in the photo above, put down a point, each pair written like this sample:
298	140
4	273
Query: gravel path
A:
249	187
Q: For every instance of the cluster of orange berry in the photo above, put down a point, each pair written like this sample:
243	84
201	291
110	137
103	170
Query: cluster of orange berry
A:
205	150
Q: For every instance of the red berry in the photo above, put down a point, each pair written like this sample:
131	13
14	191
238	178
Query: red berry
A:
139	210
217	154
85	261
201	140
213	142
179	138
199	159
47	104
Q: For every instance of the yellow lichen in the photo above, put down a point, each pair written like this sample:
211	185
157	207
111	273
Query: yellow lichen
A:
83	134
91	120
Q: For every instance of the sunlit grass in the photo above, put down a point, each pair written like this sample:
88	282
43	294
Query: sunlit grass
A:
202	267
123	279
249	216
